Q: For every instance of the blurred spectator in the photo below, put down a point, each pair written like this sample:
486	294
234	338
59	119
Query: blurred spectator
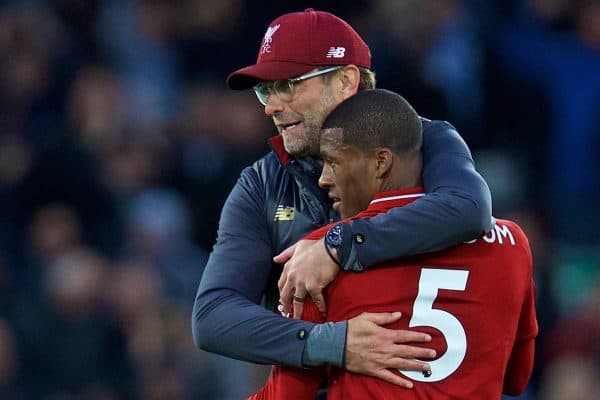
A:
97	108
135	35
9	364
158	226
54	231
7	289
69	308
582	326
127	166
573	378
32	45
208	35
15	163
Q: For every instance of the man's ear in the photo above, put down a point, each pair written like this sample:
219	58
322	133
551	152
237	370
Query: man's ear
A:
350	80
384	159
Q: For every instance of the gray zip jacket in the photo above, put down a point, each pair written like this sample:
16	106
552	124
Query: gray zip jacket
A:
277	201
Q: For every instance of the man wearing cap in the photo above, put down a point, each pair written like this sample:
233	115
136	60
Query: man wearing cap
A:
308	63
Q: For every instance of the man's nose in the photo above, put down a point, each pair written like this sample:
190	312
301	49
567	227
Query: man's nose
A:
325	180
274	105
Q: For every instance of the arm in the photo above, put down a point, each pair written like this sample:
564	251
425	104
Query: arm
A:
293	383
519	368
227	319
226	312
520	363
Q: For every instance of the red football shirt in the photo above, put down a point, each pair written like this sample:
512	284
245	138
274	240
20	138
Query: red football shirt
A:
476	300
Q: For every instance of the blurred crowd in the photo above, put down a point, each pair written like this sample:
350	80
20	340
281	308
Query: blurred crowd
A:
119	141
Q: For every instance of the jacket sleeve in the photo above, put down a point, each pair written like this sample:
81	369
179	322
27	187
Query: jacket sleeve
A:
227	318
457	207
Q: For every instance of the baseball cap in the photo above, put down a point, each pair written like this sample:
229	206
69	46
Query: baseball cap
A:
299	42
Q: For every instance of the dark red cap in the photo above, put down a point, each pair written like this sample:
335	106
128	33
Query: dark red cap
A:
299	42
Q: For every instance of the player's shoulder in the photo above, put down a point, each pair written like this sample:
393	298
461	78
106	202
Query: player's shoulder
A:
268	161
253	179
434	125
264	167
509	232
515	228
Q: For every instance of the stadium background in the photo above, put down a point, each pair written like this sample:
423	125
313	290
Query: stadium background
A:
119	141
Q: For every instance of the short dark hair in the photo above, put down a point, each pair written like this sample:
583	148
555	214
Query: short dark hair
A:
377	118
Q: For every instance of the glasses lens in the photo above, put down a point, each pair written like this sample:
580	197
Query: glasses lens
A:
284	89
262	91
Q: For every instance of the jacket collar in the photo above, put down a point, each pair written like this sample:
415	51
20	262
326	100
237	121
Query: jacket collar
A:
276	143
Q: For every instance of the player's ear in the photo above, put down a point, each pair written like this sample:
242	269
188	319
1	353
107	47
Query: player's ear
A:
350	80
384	159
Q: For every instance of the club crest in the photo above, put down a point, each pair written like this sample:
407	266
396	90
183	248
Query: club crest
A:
266	46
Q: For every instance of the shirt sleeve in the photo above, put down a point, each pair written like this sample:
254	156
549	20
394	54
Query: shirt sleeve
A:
227	318
520	364
456	208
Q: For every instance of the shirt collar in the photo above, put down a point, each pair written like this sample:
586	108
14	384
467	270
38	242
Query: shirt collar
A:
383	201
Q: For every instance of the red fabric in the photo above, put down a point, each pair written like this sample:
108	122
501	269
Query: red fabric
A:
276	143
299	42
495	311
286	383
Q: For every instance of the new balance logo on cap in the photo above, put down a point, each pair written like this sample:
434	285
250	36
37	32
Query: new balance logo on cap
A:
336	52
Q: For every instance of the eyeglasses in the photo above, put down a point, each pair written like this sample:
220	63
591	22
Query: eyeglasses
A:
285	88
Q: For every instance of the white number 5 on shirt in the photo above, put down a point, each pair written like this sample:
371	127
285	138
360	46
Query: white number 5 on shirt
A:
425	315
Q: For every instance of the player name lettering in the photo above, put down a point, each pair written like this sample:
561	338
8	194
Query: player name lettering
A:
499	234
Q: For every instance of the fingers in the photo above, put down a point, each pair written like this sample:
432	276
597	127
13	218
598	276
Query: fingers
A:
285	255
298	304
392	378
381	318
281	282
377	351
400	336
403	336
287	287
407	364
319	300
409	352
282	279
305	270
286	292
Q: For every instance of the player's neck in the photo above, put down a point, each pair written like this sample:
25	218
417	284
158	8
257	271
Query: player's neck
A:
400	181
